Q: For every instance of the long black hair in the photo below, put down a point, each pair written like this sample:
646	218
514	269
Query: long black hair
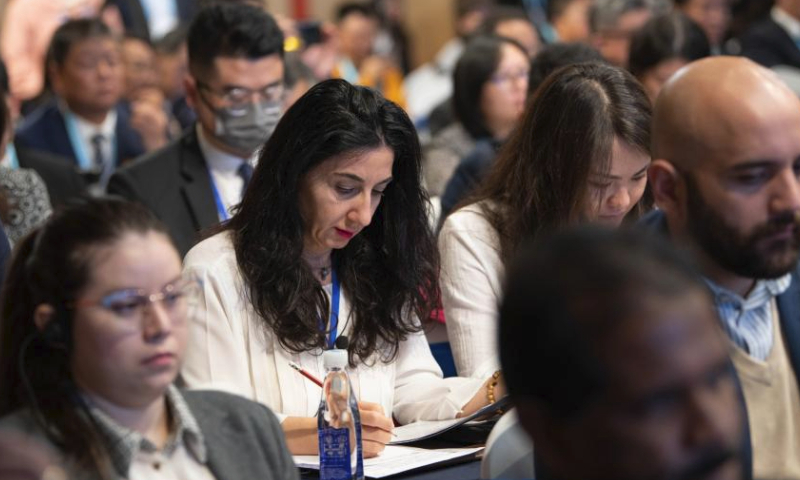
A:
388	271
51	266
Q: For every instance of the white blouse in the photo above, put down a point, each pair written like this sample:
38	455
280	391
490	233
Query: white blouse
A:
229	349
471	283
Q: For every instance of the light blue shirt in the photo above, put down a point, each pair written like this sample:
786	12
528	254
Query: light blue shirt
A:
748	321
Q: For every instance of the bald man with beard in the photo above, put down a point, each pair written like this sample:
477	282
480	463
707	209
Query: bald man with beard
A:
726	150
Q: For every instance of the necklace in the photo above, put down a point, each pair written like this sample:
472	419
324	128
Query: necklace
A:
324	272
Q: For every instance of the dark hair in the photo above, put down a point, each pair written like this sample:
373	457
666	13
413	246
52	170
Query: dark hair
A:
565	295
475	67
540	179
231	30
389	270
606	13
4	85
350	8
170	43
557	55
51	266
666	37
502	14
72	32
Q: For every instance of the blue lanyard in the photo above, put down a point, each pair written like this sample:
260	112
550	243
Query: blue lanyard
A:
77	144
222	213
334	321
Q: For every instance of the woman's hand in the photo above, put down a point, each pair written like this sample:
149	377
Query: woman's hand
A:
376	428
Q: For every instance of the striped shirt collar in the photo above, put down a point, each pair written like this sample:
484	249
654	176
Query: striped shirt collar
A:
124	444
748	321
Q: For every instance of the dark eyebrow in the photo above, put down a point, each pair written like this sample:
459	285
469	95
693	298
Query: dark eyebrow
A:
234	86
755	164
359	179
615	177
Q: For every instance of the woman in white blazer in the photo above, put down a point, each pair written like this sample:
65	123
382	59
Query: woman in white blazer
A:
331	240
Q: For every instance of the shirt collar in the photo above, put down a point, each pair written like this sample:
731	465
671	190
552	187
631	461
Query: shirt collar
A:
763	291
218	160
124	443
788	22
88	129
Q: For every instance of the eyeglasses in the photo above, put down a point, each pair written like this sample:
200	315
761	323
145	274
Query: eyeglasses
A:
503	79
129	306
238	99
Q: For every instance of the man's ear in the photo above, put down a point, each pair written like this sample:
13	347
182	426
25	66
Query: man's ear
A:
668	187
43	315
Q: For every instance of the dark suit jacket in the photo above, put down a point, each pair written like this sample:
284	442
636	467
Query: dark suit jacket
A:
135	20
5	255
244	439
468	175
769	44
45	130
175	184
62	179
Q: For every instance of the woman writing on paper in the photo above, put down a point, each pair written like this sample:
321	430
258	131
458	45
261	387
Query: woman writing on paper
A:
331	239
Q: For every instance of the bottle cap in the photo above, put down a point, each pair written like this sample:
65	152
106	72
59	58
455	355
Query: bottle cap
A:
334	358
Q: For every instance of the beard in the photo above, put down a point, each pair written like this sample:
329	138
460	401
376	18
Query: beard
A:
754	255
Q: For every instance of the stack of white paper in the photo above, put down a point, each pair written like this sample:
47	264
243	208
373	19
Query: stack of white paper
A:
396	459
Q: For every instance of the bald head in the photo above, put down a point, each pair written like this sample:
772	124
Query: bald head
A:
708	107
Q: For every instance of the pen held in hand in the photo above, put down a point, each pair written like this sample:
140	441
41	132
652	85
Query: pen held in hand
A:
314	379
306	374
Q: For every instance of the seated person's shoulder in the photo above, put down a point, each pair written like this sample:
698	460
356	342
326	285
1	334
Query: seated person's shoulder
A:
229	405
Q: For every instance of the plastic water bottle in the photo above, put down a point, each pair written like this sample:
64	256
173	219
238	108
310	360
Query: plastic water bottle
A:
339	423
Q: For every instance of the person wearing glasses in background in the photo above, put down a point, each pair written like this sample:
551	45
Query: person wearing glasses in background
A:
94	328
235	85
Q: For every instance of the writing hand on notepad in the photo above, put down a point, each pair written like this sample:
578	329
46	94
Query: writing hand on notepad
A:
376	428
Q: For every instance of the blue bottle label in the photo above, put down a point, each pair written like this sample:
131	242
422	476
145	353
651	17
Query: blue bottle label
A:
334	454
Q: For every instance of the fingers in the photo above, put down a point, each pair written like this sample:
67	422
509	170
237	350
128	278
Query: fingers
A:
373	407
371	449
374	440
377	420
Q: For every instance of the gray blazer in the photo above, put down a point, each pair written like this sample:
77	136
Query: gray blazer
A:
244	439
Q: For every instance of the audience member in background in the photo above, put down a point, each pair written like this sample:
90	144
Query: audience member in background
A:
152	19
24	202
774	40
172	60
569	19
713	16
490	83
726	139
28	26
60	176
613	24
142	98
236	88
297	79
83	122
513	23
664	45
357	27
336	221
616	365
473	168
580	154
94	330
432	84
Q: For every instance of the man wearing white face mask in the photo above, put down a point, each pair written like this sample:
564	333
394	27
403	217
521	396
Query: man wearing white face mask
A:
235	85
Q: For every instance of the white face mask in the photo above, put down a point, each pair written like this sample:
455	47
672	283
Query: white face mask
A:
247	131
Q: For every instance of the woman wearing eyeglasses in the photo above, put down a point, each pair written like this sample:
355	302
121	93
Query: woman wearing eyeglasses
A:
490	84
93	333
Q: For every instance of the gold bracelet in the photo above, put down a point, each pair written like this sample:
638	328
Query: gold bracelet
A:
491	385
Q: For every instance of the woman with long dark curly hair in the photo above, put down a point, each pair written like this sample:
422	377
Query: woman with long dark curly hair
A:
331	239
